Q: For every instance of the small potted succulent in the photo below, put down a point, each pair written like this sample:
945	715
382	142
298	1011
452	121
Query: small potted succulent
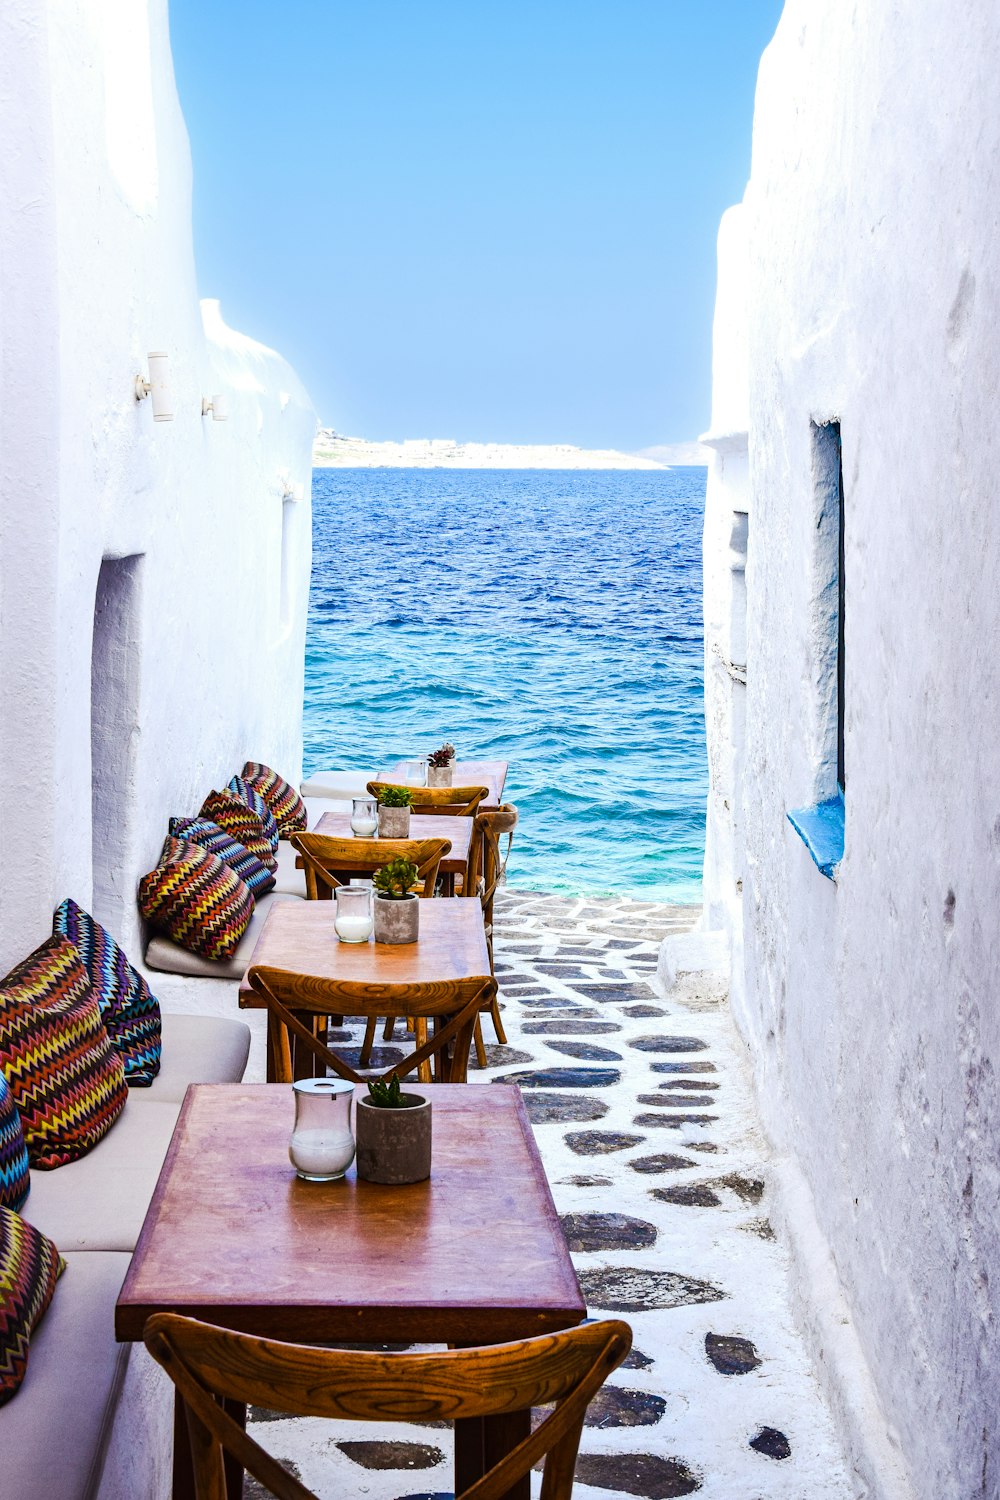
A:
394	803
441	765
397	907
393	1133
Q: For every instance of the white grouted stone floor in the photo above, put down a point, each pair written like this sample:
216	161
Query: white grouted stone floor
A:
642	1109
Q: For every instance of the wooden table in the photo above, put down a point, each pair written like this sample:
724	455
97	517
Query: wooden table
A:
488	773
422	826
298	936
475	1255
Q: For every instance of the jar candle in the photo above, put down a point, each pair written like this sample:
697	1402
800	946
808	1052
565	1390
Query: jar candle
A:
364	817
322	1145
352	920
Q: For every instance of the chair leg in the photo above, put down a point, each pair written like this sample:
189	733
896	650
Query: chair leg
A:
366	1046
390	1027
420	1037
480	1048
497	1023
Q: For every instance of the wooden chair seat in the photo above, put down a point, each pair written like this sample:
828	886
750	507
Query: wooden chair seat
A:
217	1372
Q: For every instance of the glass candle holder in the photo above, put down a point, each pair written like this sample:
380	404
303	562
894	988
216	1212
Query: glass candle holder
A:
364	817
352	920
322	1145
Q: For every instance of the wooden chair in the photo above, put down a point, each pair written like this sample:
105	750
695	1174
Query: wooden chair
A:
330	862
217	1373
484	872
452	1005
439	801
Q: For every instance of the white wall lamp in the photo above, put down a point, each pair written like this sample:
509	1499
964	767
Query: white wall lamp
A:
157	388
218	405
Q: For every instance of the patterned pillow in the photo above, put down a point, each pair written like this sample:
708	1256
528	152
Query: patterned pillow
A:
196	900
284	801
252	798
257	879
30	1266
129	1009
14	1178
67	1079
242	823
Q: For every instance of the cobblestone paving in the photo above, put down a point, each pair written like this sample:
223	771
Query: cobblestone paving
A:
642	1110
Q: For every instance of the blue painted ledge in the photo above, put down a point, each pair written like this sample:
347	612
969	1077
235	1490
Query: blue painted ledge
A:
821	829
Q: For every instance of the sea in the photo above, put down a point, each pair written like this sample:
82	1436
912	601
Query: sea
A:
549	618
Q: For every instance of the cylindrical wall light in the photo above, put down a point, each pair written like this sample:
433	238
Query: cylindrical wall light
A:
157	387
218	405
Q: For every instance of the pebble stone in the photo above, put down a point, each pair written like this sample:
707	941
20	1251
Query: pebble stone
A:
730	1354
601	1142
582	1051
771	1442
572	1027
688	1194
696	1065
389	1454
615	1407
571	1109
671	1122
631	1289
668	1044
607	1232
663	1161
647	1475
563	1078
672	1101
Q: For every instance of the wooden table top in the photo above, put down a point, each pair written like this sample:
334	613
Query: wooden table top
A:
298	936
422	826
490	773
473	1255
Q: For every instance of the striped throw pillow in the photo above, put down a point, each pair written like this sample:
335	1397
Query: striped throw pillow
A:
14	1176
30	1266
67	1079
129	1009
255	876
284	801
230	813
196	900
254	800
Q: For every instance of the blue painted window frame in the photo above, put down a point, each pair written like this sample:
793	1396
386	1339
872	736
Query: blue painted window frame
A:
821	829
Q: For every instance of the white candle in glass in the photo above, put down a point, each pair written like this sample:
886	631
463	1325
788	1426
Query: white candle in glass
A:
364	817
352	921
321	1153
353	928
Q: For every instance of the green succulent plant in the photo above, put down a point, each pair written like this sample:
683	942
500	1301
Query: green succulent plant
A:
395	879
386	1093
395	796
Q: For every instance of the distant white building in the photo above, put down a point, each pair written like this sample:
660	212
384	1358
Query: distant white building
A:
153	574
855	485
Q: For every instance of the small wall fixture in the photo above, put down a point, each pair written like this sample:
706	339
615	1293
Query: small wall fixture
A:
218	405
157	388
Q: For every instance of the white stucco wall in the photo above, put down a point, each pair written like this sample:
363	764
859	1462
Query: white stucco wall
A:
96	270
870	1004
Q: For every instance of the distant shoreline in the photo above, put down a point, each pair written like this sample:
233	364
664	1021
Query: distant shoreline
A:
333	451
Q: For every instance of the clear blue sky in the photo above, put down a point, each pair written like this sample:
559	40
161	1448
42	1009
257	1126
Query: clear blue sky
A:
469	219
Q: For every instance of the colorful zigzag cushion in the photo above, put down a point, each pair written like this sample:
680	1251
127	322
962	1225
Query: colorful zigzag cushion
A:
196	900
129	1009
67	1079
14	1176
30	1266
255	876
253	799
284	801
242	822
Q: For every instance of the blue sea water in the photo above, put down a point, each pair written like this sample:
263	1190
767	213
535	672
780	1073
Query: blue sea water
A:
547	618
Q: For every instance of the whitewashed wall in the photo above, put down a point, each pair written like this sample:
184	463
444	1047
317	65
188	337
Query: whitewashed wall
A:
97	269
871	1005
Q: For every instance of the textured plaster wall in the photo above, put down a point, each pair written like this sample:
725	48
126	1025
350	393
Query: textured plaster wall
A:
96	269
871	1004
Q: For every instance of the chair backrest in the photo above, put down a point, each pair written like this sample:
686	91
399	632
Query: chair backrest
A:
330	862
439	800
452	1005
488	856
210	1365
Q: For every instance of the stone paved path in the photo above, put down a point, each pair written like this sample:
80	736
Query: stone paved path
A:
642	1110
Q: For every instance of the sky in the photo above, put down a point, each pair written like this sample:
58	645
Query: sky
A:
465	219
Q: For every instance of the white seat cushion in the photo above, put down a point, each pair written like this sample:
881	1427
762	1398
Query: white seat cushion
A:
288	881
169	957
54	1433
100	1201
337	784
197	1049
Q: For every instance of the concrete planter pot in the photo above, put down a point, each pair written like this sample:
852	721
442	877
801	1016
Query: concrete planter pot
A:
394	822
441	775
396	921
394	1145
